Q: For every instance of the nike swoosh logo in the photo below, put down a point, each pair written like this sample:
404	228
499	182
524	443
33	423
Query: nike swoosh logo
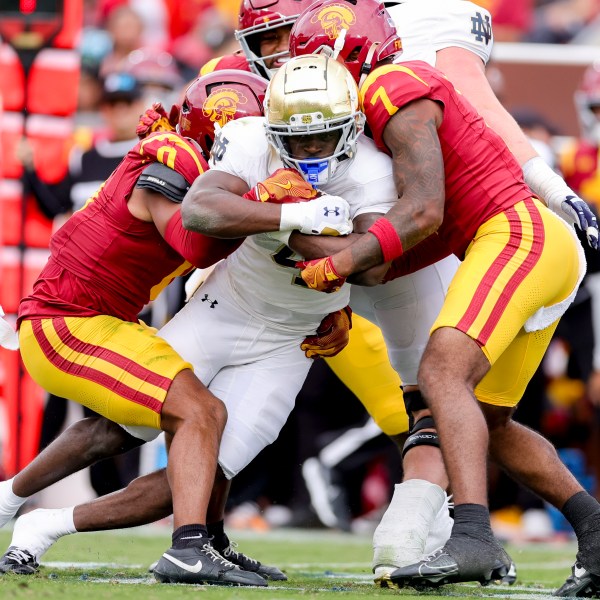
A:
284	186
436	570
189	568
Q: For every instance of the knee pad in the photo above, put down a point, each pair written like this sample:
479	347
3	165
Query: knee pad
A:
416	437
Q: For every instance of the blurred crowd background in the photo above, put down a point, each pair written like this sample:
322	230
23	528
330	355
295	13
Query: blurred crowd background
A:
331	467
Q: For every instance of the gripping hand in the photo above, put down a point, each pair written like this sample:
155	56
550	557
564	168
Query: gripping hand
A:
320	274
157	119
576	211
283	186
332	335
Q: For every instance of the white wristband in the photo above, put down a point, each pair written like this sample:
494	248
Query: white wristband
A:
292	216
545	183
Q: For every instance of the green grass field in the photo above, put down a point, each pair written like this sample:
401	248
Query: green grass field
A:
318	564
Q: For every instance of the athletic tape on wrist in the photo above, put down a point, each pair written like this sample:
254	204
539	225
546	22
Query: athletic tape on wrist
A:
391	245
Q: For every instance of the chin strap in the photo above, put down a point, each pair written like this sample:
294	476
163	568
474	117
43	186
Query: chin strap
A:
339	44
367	66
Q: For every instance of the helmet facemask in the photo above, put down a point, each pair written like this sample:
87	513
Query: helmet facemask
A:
250	38
318	171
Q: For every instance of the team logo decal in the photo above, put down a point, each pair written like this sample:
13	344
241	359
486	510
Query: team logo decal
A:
220	107
334	18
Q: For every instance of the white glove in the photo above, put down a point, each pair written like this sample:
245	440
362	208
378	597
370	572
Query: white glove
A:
325	215
8	336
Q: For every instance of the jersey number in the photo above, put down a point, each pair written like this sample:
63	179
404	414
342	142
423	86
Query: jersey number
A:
283	259
381	94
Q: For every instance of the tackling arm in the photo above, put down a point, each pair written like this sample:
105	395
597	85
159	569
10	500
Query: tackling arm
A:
199	250
411	136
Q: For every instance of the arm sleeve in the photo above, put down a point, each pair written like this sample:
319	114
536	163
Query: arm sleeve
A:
199	250
53	200
425	253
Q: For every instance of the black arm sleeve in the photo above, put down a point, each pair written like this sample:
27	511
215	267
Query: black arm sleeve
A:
162	179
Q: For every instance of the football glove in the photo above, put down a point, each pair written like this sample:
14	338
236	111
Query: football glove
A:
560	198
285	185
157	119
325	215
575	211
332	335
320	274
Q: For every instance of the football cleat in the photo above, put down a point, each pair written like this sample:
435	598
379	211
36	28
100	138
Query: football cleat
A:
581	584
415	524
19	562
250	564
202	564
484	563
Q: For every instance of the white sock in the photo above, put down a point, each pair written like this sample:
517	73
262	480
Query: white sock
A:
9	501
37	530
401	536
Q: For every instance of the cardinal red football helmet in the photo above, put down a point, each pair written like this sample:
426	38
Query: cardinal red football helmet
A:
360	32
258	16
587	97
217	98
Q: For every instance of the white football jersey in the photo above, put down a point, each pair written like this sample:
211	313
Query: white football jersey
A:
262	270
427	26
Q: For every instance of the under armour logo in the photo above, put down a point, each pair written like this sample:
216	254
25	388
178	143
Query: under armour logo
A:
328	211
213	303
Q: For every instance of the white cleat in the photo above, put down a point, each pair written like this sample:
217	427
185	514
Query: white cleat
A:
416	522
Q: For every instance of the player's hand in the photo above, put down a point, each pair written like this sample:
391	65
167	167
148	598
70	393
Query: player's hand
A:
283	186
576	211
332	335
320	274
325	215
157	119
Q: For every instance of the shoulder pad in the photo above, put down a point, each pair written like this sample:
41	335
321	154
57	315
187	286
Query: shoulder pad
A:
166	181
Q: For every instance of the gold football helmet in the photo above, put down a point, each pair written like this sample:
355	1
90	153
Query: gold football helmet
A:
310	95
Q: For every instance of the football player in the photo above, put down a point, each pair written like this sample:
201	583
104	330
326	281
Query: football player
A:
459	187
80	339
263	33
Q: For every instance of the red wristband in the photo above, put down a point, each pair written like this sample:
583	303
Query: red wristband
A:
388	239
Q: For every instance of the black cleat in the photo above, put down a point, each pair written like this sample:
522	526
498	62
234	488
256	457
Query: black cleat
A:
580	584
202	564
249	564
511	577
19	562
479	561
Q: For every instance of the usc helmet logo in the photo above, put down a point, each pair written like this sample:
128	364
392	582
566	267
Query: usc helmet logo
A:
334	18
220	107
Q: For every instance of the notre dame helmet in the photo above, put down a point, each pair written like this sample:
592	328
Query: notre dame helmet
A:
360	32
312	95
217	98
